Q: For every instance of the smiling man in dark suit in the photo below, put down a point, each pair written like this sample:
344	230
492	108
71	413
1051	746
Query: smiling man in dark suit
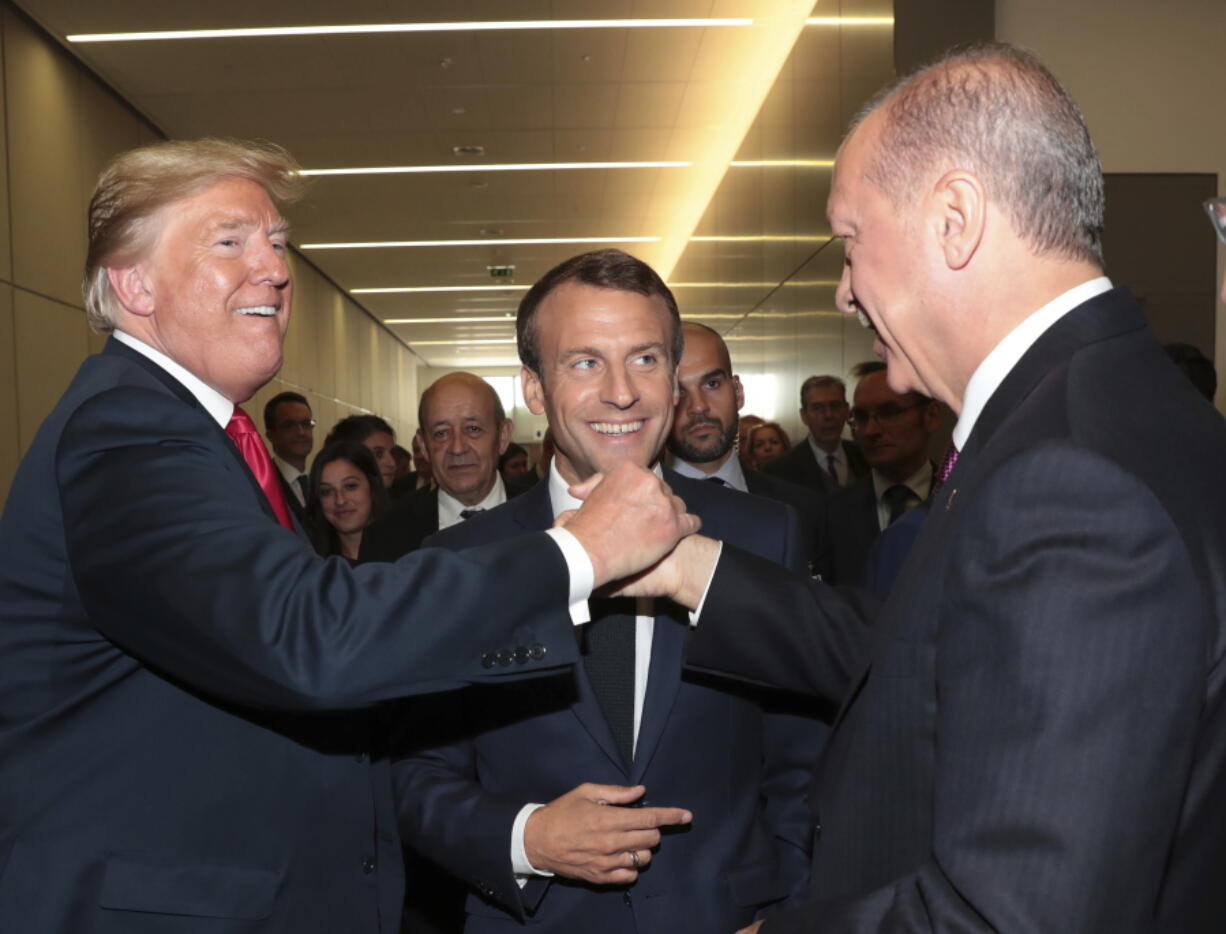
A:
518	805
1037	738
186	688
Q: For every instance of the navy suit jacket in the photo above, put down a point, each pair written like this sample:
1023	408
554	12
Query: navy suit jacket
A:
799	466
186	741
1037	738
702	745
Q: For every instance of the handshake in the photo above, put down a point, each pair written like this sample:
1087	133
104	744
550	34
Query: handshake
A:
639	537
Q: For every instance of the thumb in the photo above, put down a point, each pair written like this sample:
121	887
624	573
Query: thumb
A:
584	489
615	794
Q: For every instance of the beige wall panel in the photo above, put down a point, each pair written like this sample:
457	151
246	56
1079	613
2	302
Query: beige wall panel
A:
10	436
51	341
42	88
6	243
106	129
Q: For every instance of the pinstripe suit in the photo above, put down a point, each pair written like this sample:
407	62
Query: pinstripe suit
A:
1038	742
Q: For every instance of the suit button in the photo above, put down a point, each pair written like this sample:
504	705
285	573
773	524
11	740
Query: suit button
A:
817	831
488	660
626	899
505	658
368	865
537	651
521	655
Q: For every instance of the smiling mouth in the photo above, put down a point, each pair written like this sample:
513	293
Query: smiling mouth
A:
259	311
616	428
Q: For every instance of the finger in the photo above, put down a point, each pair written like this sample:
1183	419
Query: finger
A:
662	817
564	517
639	840
617	877
584	490
688	524
612	794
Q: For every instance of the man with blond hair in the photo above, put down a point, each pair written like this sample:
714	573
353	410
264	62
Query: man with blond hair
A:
185	687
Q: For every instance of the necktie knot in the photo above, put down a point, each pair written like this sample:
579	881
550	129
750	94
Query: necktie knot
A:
469	513
896	499
241	430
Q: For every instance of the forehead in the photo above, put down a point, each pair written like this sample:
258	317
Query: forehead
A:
339	469
704	352
576	315
230	202
847	182
291	409
873	389
830	393
459	399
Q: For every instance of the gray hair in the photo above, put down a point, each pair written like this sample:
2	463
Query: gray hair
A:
998	112
137	184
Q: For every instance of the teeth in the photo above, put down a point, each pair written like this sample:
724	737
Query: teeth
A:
263	311
864	322
616	428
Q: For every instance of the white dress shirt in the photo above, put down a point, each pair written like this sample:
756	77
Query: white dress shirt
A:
449	508
919	483
291	475
840	460
992	371
729	471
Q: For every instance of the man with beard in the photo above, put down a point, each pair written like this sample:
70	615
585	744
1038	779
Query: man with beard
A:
704	429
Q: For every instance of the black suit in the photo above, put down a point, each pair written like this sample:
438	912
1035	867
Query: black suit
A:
410	523
176	667
799	466
1039	740
808	505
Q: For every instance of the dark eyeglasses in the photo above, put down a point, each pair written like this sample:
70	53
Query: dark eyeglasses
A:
885	415
1216	207
306	423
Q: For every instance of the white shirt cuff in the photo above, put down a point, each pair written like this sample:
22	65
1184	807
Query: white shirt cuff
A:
695	613
582	574
519	856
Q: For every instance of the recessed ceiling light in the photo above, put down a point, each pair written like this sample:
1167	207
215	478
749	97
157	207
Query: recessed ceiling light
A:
531	241
443	288
505	167
374	28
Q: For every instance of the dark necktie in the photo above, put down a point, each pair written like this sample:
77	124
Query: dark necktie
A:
607	644
834	477
304	484
718	480
896	499
946	468
469	513
242	431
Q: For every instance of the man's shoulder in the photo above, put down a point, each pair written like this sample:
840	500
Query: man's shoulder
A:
799	456
783	490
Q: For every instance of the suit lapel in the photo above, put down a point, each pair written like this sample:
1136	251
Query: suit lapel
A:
663	680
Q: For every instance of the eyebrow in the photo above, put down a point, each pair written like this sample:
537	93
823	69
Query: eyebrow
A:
719	371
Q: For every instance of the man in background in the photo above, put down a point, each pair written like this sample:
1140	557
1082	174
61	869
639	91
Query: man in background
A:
290	430
823	462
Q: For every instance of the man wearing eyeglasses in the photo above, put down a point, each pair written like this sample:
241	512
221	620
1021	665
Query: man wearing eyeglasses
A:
290	430
825	462
894	431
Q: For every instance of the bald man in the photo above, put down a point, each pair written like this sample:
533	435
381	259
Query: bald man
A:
464	430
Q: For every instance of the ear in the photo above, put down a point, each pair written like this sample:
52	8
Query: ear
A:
504	435
959	213
932	417
132	289
534	391
740	392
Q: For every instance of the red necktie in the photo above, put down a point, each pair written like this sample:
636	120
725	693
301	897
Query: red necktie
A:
242	431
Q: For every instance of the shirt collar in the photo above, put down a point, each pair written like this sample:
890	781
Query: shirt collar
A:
992	371
449	508
839	455
919	482
288	470
217	405
559	496
729	471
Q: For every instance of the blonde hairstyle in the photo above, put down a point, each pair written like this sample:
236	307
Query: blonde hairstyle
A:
137	184
771	426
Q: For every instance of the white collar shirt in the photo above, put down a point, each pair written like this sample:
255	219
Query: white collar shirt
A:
449	508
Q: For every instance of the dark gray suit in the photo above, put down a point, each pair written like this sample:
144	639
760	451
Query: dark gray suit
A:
799	466
1037	741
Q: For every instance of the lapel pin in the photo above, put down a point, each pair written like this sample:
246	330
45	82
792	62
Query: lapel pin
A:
949	503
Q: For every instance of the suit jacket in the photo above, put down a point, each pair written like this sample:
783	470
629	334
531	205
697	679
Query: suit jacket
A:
185	686
808	505
1038	740
799	466
848	529
291	500
410	523
701	746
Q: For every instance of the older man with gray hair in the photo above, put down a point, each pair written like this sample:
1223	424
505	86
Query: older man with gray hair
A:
185	688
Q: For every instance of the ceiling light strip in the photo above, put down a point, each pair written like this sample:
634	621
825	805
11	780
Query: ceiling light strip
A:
850	21
782	163
496	167
475	340
376	28
503	319
535	241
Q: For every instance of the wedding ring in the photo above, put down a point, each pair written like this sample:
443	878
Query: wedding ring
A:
634	858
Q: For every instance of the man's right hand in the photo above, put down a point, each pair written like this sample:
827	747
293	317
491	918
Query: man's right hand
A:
581	836
628	521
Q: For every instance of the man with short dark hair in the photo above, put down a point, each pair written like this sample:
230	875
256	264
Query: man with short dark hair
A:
703	437
290	430
514	461
893	431
561	804
1036	737
824	461
464	430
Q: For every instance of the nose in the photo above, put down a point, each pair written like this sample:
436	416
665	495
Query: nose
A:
694	402
268	263
456	444
844	298
619	388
